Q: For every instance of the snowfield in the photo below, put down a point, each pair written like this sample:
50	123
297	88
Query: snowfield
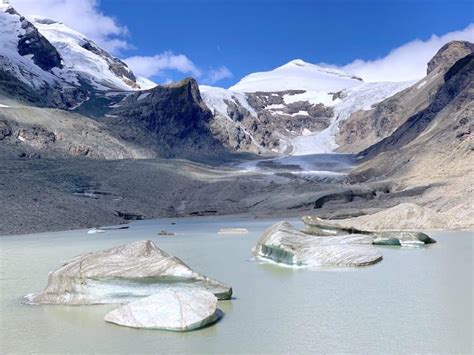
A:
297	75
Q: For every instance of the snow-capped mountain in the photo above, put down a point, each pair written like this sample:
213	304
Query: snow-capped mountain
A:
294	109
43	53
83	59
297	75
44	65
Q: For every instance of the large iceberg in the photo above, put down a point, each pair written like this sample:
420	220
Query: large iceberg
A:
284	244
121	275
326	243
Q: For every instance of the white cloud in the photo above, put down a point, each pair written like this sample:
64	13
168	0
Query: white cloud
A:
407	62
86	17
83	16
160	64
215	75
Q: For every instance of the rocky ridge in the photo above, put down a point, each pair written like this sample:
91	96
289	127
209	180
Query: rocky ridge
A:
367	127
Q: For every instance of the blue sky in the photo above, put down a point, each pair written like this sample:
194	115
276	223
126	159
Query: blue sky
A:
244	36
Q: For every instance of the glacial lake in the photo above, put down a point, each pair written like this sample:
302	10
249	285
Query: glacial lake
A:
417	300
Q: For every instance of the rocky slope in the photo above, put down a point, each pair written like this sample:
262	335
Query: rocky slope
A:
366	127
434	147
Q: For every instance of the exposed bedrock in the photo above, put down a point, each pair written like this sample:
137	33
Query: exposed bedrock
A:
283	244
120	275
176	309
344	196
34	44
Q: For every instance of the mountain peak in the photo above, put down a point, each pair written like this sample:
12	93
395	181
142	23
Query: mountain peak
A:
4	6
298	75
449	54
298	62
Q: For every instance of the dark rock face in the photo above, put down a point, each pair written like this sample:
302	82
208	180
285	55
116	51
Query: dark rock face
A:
379	123
449	54
174	116
345	196
271	125
34	43
36	136
458	84
117	66
46	96
5	130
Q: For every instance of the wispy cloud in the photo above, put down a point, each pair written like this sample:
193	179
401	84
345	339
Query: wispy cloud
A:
83	16
215	75
161	64
407	62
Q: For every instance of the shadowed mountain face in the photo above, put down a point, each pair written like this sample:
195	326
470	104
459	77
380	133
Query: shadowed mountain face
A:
173	118
455	93
425	98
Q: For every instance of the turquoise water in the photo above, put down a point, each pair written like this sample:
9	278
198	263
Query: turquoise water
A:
415	300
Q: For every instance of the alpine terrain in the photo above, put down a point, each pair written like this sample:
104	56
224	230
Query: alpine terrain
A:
85	142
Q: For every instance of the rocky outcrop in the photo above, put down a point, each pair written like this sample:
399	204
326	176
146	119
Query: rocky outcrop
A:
344	196
173	118
35	44
449	54
283	244
119	275
5	130
116	66
36	136
176	309
263	121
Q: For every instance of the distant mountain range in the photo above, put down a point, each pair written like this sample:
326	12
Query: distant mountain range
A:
298	108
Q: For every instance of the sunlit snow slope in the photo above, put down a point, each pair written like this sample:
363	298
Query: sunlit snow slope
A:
297	75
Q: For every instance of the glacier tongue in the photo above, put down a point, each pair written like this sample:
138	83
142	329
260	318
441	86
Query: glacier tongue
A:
361	97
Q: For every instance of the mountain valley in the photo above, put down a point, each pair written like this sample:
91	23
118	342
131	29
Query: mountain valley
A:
84	142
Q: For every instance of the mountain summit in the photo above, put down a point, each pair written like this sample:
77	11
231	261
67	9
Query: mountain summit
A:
42	52
297	75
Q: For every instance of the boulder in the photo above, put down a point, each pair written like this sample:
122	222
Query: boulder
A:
177	309
121	275
282	243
